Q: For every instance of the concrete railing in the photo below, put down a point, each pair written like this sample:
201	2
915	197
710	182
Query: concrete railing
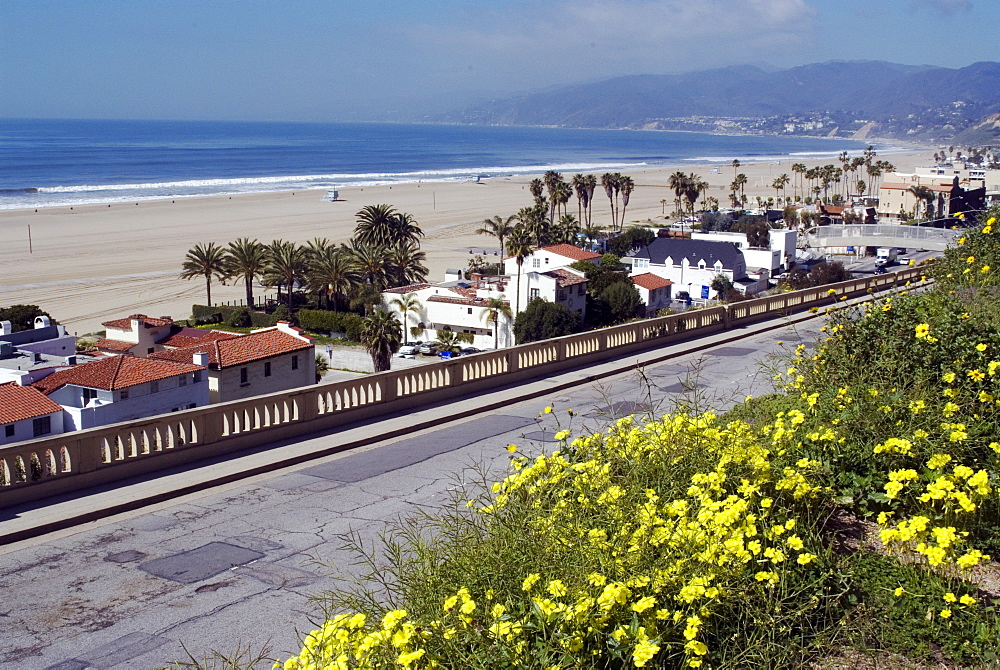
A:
77	460
882	235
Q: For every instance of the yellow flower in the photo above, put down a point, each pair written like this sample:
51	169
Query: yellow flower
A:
922	330
512	448
644	651
945	613
557	589
898	592
970	259
644	604
976	375
548	410
967	600
950	597
805	559
562	435
529	581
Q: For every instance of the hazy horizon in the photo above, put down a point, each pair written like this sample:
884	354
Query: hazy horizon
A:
307	61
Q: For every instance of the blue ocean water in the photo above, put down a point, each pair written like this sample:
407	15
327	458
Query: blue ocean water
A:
45	162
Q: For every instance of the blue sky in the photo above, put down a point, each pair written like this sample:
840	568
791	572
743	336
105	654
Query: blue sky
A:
312	60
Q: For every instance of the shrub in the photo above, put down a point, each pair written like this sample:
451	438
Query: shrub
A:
238	318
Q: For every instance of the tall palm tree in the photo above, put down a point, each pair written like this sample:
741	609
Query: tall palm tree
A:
693	189
533	221
287	263
404	264
496	307
580	188
922	194
590	183
406	304
536	186
799	169
405	229
610	184
552	179
374	225
736	166
678	182
205	260
498	227
627	186
371	261
519	247
246	258
333	273
566	229
380	336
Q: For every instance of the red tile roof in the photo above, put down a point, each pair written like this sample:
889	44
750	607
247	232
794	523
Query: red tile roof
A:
114	372
23	402
565	277
126	323
114	345
455	300
407	289
941	188
183	339
237	350
650	282
569	251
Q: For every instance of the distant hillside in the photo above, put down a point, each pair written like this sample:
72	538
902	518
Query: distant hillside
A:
834	98
984	133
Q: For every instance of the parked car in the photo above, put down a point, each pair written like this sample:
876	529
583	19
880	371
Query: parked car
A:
881	270
409	349
468	351
429	348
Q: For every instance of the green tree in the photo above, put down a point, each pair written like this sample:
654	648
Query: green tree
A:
205	260
721	285
626	185
519	247
247	259
380	336
287	265
496	307
371	261
404	264
22	317
333	272
498	227
610	183
407	304
449	340
623	301
635	237
756	229
542	320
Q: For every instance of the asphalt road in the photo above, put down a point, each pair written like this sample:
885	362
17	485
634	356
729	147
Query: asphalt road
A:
237	565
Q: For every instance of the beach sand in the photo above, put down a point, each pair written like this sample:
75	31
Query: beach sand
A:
93	263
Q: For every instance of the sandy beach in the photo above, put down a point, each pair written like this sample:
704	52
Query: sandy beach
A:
93	263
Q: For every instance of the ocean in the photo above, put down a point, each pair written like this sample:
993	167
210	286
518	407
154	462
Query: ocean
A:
47	162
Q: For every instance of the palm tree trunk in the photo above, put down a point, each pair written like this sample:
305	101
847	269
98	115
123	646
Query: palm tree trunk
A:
517	309
208	289
248	280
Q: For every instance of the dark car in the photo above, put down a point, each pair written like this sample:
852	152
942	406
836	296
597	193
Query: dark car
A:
881	270
468	351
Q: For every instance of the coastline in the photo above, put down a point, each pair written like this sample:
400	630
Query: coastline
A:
98	262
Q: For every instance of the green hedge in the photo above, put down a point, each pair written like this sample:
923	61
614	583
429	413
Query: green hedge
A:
204	314
324	321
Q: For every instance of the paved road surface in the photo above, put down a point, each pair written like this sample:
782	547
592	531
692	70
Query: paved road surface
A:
127	591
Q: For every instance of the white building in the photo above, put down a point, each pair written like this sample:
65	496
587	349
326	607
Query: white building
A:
26	414
138	334
654	291
565	286
777	258
44	338
550	258
241	366
123	388
459	306
692	265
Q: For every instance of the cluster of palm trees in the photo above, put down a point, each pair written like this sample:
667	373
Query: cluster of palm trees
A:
821	178
687	189
384	252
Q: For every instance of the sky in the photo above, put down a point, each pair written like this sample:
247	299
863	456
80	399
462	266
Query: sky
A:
378	60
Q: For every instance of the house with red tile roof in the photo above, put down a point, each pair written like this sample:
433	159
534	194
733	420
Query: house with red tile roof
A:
654	291
548	258
26	413
122	388
138	335
241	366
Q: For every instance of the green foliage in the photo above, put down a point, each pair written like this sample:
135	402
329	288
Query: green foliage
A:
716	221
203	314
820	275
631	239
22	317
721	285
755	228
450	340
324	321
542	320
239	318
322	366
623	301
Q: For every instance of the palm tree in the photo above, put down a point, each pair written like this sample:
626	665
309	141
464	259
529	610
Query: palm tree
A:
678	182
495	308
536	187
287	263
580	188
799	169
334	273
371	262
404	264
552	179
627	186
566	229
374	225
406	304
380	335
519	247
246	258
694	187
533	221
449	340
498	227
592	233
610	184
205	260
590	183
922	194
736	166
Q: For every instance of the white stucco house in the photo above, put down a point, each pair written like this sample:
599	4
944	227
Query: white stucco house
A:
692	265
44	338
552	257
26	413
564	286
776	258
138	335
654	291
123	388
241	366
459	306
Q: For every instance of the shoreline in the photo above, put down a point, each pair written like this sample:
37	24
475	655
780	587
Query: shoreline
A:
94	263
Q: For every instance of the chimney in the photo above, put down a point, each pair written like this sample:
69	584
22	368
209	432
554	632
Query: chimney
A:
71	359
6	328
200	358
42	321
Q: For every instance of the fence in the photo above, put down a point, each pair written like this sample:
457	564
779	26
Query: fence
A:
76	460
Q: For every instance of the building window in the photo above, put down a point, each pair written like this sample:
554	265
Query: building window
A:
154	387
562	295
267	369
42	425
88	395
182	380
123	394
470	310
536	262
197	376
534	293
244	379
641	263
295	362
579	289
150	350
8	430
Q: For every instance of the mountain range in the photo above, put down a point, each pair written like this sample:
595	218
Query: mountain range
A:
836	98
